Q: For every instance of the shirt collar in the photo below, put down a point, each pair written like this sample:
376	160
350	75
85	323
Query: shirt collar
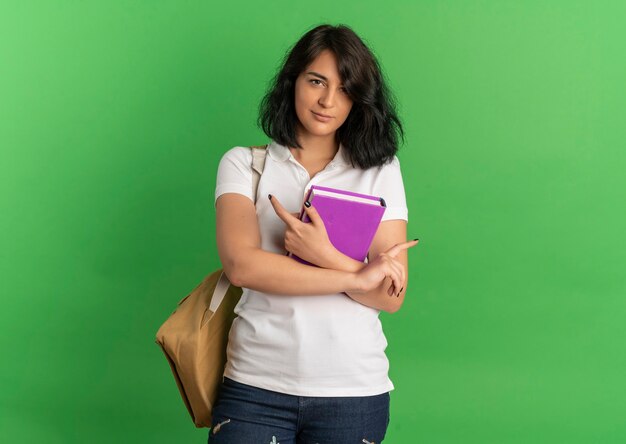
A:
281	153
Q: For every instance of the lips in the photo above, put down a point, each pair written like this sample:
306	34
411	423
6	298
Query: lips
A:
321	115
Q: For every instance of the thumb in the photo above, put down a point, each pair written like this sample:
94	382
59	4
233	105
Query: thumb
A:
315	217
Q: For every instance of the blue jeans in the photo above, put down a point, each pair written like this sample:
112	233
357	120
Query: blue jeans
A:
244	414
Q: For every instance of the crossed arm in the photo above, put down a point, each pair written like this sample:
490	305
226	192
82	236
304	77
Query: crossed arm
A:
247	265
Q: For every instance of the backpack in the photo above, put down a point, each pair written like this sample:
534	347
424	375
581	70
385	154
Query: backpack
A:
194	337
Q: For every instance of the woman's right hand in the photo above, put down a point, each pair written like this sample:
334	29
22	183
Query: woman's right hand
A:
383	266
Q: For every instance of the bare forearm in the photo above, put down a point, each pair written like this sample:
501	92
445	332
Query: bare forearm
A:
378	298
336	260
261	270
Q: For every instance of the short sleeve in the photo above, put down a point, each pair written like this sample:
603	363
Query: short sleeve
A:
390	186
234	173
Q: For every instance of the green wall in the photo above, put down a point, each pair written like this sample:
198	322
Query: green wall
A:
113	116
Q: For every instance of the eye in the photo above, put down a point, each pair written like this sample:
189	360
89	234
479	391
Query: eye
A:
342	89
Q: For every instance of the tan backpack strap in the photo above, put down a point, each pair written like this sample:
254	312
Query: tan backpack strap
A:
221	287
258	163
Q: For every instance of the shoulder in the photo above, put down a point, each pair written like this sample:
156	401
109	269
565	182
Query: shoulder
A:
234	172
235	165
238	154
388	177
389	168
394	163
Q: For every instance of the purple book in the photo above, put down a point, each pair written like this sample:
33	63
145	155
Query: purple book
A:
351	219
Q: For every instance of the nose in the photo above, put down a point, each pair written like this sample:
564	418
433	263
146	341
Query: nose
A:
327	99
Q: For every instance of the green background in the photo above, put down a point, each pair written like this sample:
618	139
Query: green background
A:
114	114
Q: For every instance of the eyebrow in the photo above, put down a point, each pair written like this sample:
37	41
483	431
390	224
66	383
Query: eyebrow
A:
318	75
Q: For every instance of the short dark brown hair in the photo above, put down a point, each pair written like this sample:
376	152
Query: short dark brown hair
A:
370	132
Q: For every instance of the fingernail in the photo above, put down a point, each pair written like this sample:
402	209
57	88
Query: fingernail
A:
416	239
269	196
307	204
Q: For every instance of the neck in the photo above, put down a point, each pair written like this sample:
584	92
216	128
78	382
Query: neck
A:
316	148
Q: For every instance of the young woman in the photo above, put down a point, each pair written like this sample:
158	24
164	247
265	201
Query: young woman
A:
306	354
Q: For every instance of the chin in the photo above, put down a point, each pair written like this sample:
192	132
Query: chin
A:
321	133
321	129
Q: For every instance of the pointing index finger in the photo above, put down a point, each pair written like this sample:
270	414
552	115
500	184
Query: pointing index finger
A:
281	212
393	251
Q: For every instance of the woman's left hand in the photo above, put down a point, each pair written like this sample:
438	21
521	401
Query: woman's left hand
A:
307	240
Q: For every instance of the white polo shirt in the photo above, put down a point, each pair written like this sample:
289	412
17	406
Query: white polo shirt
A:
327	345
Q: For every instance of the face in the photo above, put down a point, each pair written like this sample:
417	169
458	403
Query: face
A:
319	90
